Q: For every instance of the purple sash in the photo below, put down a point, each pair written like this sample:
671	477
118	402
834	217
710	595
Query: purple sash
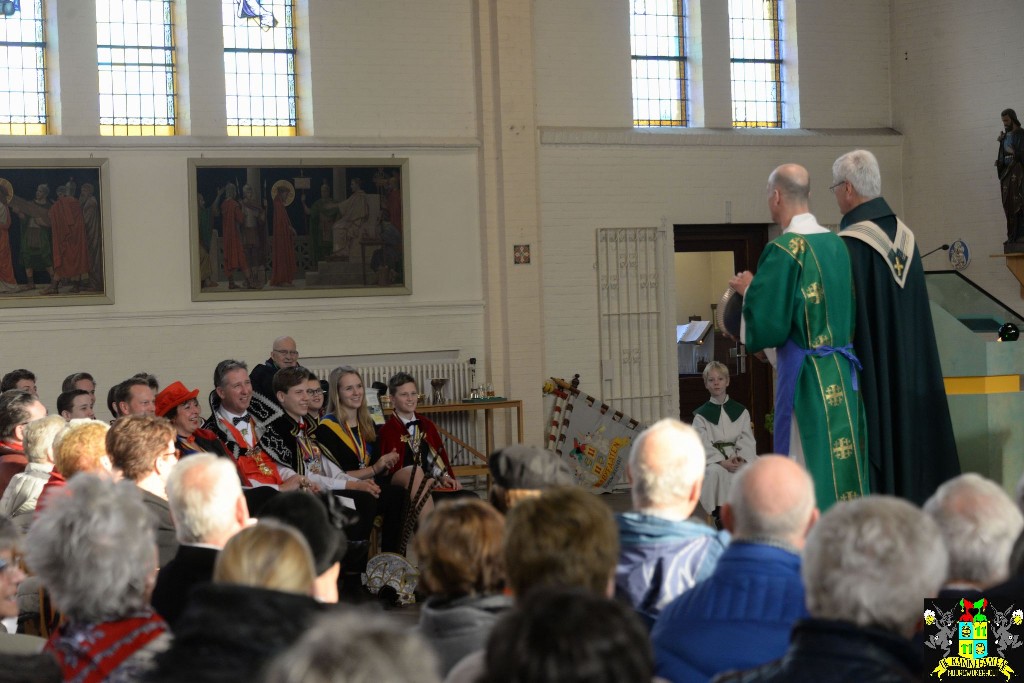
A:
790	361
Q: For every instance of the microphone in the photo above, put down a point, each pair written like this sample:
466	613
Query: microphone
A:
943	247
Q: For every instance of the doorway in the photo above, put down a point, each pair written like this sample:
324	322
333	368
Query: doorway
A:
706	256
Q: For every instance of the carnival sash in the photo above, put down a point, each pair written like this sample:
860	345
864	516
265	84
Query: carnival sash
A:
263	472
345	435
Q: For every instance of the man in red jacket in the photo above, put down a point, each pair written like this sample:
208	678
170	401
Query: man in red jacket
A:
17	409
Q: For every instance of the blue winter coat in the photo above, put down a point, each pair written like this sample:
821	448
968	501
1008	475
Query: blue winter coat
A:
661	558
739	618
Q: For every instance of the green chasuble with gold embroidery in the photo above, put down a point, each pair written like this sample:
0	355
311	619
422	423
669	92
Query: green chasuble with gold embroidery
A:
801	302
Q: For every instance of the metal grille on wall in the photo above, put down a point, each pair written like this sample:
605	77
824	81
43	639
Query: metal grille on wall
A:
634	340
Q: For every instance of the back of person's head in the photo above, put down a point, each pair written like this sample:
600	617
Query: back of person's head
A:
666	466
134	443
206	499
355	647
318	517
460	549
94	548
521	471
979	523
860	169
40	436
792	182
771	499
871	561
568	636
564	537
268	555
82	448
14	411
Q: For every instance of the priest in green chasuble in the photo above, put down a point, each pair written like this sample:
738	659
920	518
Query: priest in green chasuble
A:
801	304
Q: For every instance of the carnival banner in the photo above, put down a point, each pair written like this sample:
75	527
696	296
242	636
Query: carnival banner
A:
590	436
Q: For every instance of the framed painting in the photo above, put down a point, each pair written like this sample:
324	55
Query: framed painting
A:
286	229
54	232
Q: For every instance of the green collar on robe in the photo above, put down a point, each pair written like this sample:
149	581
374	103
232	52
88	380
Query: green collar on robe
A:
712	411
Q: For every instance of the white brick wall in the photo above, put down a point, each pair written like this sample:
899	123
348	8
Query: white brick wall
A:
955	68
393	68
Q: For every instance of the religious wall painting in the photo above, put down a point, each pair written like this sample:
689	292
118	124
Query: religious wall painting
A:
298	229
54	232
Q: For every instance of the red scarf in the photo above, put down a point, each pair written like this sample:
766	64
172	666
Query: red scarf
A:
90	653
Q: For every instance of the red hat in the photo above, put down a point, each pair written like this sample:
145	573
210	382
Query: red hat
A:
173	396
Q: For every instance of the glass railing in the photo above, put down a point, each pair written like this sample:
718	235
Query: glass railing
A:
975	308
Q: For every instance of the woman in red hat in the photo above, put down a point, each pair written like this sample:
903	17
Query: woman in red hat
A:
181	408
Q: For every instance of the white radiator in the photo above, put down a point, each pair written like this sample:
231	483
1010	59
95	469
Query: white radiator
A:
460	376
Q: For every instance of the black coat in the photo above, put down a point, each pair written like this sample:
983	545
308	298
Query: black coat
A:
262	378
229	633
191	566
827	651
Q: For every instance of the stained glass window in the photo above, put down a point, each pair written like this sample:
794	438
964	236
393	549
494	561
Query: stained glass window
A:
755	49
656	29
22	68
259	67
135	49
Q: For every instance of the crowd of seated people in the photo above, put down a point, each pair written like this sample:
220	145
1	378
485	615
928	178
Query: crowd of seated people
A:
164	548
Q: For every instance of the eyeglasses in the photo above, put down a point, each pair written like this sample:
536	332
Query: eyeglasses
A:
289	354
832	188
314	392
